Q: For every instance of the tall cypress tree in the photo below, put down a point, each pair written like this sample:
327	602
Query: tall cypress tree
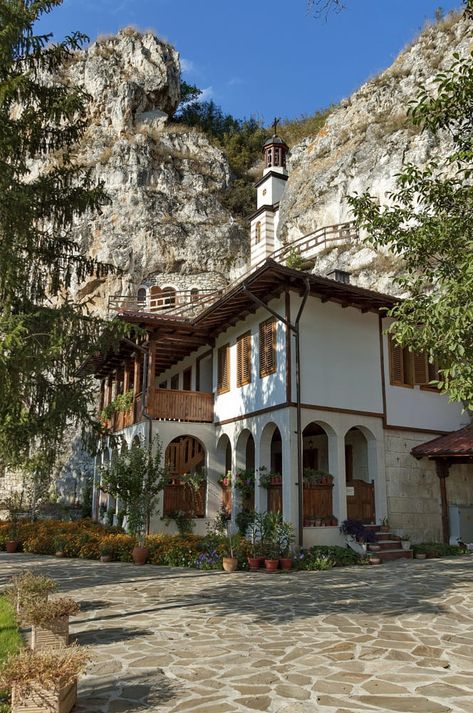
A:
44	335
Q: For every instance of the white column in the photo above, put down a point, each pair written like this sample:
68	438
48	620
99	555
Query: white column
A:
290	493
336	466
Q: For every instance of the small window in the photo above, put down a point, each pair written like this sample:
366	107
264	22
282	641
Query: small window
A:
163	385
244	359
141	296
223	369
194	294
267	347
175	382
187	379
410	368
169	297
258	233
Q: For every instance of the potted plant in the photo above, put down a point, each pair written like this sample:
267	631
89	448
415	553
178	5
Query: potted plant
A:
384	527
270	523
45	681
59	544
375	560
225	480
26	587
107	550
245	482
253	533
405	542
230	562
49	620
285	538
13	504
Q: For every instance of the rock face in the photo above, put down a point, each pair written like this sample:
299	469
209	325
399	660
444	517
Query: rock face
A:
163	181
362	147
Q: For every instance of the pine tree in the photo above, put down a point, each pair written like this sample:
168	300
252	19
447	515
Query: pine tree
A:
44	335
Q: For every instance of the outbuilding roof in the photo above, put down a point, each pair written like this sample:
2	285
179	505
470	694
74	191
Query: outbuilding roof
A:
457	443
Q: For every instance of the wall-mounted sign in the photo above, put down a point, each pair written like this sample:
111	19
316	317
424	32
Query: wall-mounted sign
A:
350	490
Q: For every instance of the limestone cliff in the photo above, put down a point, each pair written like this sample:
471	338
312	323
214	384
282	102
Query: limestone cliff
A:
163	181
362	147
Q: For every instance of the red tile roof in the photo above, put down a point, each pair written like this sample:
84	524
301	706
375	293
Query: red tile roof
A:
457	443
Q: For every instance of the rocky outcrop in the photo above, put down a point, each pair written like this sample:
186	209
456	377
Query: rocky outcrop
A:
362	147
163	181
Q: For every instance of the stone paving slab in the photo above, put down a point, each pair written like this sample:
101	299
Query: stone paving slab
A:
352	640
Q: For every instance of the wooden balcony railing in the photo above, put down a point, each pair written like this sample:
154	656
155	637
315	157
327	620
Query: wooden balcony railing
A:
168	405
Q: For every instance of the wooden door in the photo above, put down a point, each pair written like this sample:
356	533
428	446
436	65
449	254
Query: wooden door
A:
360	505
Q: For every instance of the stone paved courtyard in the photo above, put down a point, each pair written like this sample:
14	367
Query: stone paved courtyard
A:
392	638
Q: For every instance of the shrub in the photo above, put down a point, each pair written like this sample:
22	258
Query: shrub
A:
43	612
439	549
27	587
317	556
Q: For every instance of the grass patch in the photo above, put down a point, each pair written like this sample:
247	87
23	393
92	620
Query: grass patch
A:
10	642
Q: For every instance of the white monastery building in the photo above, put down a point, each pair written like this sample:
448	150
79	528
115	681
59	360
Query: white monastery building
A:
288	374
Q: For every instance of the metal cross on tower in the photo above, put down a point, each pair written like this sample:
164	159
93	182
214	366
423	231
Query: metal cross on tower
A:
275	126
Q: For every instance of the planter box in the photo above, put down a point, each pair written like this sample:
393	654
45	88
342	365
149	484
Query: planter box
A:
46	701
55	636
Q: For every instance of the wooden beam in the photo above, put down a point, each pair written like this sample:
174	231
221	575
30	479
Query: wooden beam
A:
443	469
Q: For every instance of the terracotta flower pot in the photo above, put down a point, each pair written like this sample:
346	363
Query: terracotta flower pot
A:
11	546
140	555
229	564
405	544
271	565
285	562
261	561
374	548
421	556
253	564
375	560
105	558
59	553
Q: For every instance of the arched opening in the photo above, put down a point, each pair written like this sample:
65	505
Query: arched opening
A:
245	475
168	297
141	297
318	481
155	298
224	459
194	294
359	477
187	487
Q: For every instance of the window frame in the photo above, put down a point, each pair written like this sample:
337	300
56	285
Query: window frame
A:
223	379
264	370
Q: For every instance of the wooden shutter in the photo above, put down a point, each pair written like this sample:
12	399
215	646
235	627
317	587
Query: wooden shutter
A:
396	362
223	368
420	368
244	359
267	347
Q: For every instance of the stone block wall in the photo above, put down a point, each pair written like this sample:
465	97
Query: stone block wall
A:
413	491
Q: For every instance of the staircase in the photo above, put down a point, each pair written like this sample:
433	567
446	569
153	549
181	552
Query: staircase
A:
391	548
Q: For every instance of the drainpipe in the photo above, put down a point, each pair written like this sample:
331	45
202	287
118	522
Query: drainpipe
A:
294	327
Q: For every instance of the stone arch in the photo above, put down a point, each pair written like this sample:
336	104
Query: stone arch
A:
168	295
245	461
194	293
224	465
141	296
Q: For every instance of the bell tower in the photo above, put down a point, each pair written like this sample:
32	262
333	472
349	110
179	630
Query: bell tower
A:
264	222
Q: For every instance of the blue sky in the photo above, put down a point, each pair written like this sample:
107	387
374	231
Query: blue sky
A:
264	57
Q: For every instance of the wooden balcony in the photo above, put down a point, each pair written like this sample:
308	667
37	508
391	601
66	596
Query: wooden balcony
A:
169	405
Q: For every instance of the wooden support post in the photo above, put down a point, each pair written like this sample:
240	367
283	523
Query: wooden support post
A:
136	376
443	468
151	375
109	397
102	396
126	377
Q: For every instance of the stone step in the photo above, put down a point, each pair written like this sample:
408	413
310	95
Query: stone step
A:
386	544
388	555
387	536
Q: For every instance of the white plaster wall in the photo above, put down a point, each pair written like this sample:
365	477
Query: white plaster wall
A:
414	505
259	251
261	392
419	408
340	356
270	191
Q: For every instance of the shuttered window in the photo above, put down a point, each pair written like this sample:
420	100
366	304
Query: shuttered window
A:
409	368
223	369
267	347
244	359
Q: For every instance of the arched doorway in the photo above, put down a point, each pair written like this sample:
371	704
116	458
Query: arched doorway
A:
224	460
245	470
318	481
155	298
359	476
169	297
186	490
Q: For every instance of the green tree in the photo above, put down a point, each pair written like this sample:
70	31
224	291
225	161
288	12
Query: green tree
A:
428	224
136	477
44	193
